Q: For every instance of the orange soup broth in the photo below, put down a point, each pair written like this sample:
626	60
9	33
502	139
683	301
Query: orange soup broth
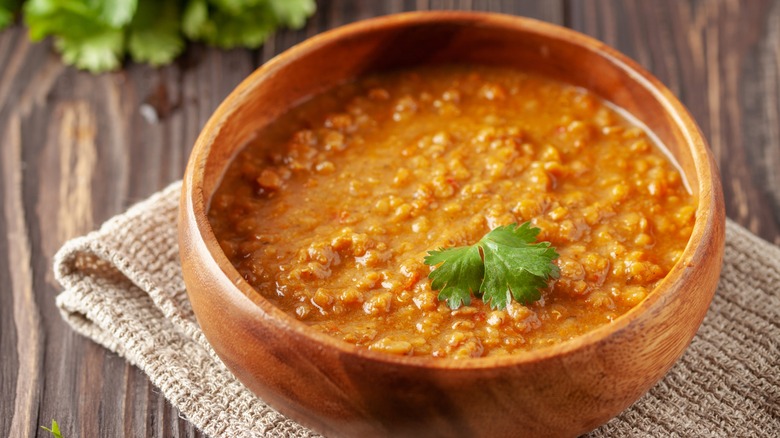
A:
330	211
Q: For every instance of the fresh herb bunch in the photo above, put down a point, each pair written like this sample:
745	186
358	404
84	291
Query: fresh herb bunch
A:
96	35
505	262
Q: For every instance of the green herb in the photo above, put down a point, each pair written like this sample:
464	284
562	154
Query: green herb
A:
96	35
505	262
247	23
8	9
55	429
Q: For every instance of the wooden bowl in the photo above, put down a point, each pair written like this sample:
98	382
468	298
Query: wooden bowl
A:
340	390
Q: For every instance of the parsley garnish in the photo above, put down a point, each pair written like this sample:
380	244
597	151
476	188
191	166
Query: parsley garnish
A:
505	261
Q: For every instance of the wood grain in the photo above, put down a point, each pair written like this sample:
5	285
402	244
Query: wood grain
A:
26	321
721	57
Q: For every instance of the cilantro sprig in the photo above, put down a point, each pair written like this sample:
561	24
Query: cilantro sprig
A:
505	262
55	429
96	35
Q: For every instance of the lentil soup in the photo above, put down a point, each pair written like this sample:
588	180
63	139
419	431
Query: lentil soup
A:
330	211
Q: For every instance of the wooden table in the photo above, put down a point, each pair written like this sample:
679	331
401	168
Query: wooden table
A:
76	149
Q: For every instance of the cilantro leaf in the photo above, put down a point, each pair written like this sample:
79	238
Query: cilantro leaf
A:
80	34
55	429
117	13
293	13
250	28
195	20
235	7
505	263
229	23
155	34
6	17
514	263
459	276
99	52
247	23
8	9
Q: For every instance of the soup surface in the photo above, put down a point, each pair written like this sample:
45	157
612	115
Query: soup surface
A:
330	211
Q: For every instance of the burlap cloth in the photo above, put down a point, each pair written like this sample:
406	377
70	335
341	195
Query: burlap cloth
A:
124	289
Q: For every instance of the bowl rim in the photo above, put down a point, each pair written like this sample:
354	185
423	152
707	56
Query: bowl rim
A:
194	201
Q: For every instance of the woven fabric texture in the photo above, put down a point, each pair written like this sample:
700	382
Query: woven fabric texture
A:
123	288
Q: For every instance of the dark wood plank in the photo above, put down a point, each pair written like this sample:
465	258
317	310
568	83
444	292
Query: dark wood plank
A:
758	94
20	295
99	120
721	59
10	362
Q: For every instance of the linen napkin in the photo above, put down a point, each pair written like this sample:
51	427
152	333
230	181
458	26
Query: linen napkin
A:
123	288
